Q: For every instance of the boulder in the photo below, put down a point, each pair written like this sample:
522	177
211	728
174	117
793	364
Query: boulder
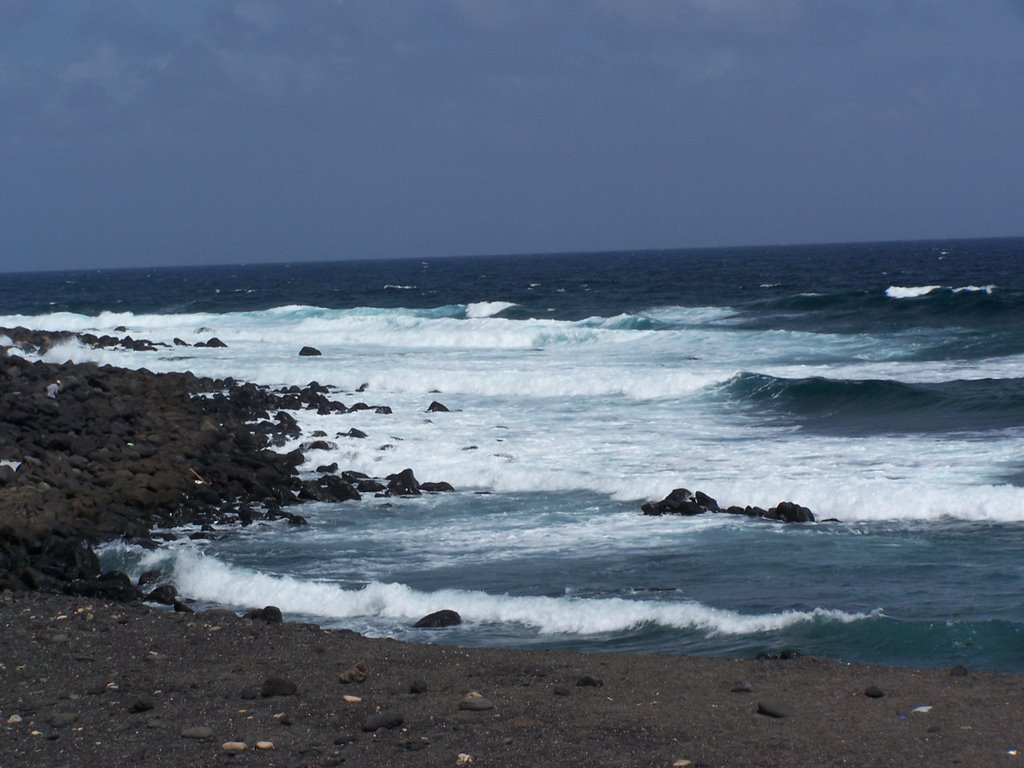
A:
439	619
309	352
683	502
437	487
403	484
329	488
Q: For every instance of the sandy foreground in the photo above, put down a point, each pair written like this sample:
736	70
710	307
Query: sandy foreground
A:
91	683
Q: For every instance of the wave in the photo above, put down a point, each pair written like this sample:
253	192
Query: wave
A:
872	406
209	579
488	308
988	310
915	292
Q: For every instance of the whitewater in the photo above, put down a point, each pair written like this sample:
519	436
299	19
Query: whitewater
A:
884	397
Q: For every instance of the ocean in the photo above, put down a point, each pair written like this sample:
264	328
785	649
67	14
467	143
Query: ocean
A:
879	384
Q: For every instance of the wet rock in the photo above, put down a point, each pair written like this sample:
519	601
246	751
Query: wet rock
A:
436	407
328	488
197	732
270	614
403	484
165	595
874	692
679	502
439	619
309	352
682	502
441	487
586	681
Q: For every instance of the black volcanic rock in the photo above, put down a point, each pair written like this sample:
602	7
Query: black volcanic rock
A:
682	502
439	619
403	484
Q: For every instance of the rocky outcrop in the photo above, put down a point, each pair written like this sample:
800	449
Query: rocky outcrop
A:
683	502
92	453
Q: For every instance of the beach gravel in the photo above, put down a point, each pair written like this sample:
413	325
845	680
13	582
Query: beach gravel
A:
82	698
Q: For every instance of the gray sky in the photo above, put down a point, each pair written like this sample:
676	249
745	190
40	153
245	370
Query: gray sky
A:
197	131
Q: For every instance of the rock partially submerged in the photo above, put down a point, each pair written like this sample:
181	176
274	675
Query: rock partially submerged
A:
439	619
683	502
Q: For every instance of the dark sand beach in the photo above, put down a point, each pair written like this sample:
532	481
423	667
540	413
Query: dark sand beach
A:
89	680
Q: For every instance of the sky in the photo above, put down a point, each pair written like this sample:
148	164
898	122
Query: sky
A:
144	133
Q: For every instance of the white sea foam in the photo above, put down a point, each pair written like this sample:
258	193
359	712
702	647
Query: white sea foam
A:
594	405
487	308
209	579
911	292
914	292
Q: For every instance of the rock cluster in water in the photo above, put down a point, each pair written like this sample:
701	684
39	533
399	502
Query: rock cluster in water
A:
683	502
93	453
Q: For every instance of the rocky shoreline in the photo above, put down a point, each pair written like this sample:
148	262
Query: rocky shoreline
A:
93	453
89	675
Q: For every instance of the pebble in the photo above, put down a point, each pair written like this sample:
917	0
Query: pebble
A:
742	686
351	699
14	719
141	704
561	690
197	732
390	719
682	764
63	718
234	746
463	759
773	709
354	674
474	702
589	682
874	692
278	686
264	745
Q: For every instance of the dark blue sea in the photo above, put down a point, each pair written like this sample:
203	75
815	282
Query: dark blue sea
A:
881	385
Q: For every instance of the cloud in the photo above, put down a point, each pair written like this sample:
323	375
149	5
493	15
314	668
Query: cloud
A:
107	70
